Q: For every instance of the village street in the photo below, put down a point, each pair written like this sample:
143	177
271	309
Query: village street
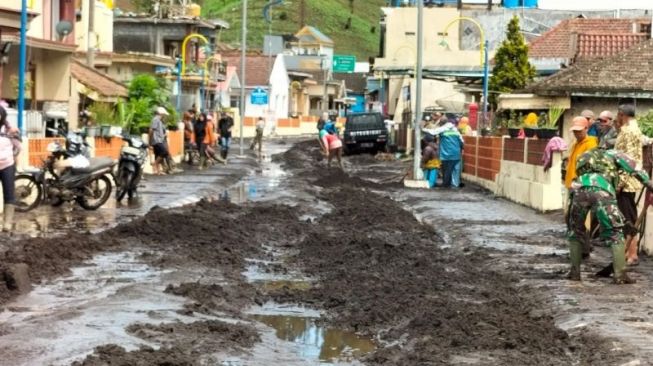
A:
287	262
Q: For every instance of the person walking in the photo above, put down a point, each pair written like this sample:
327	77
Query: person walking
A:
629	139
225	126
599	173
157	139
258	139
430	160
582	144
9	149
200	138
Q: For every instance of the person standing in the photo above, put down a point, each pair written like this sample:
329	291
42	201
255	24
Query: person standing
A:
258	139
9	149
582	144
451	148
629	142
606	132
225	126
157	139
430	160
200	137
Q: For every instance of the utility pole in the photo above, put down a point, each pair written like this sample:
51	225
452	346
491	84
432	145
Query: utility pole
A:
243	83
302	13
21	65
325	97
90	51
417	151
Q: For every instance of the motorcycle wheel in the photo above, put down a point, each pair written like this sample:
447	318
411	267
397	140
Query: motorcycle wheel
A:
123	184
101	189
28	192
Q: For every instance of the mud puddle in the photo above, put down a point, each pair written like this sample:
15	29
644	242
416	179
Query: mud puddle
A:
61	321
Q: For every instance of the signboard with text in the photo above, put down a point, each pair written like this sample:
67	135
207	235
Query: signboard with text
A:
344	63
259	96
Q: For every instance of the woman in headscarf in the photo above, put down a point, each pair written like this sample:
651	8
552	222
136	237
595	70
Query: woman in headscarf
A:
9	148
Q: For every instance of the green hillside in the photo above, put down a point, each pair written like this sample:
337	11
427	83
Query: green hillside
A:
358	36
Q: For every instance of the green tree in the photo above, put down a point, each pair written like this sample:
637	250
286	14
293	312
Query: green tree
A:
145	93
511	67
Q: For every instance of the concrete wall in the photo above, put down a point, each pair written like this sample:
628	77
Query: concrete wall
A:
401	39
532	21
124	72
103	28
52	75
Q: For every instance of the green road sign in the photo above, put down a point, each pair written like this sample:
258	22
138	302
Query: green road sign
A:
344	63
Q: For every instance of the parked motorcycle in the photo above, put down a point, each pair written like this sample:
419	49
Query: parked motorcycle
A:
130	167
90	187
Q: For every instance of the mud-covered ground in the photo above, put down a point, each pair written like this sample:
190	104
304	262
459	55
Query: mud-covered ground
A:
373	268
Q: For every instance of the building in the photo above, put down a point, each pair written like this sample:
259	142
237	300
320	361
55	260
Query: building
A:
155	45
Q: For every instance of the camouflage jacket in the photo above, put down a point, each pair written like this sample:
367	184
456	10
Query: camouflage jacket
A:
601	168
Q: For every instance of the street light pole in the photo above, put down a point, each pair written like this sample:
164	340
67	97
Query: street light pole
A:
417	173
243	48
486	67
21	65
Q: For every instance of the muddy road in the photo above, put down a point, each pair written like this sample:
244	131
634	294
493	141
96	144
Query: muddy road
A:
297	265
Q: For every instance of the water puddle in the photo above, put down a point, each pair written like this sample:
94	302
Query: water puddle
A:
311	340
318	342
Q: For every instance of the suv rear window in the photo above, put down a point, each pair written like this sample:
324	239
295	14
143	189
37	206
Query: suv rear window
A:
364	122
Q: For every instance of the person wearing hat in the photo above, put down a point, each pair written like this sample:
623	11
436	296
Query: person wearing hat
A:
157	135
604	130
430	160
583	143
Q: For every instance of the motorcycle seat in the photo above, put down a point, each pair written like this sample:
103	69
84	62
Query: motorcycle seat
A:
95	164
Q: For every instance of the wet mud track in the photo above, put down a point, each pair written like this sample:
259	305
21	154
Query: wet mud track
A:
303	267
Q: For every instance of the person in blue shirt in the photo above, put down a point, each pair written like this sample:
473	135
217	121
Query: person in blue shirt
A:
451	147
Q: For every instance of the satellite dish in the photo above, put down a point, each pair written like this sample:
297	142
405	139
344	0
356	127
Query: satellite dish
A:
64	28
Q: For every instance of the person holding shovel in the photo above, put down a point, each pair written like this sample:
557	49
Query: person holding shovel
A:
594	190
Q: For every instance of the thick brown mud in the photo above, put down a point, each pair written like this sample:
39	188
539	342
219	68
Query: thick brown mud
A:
380	277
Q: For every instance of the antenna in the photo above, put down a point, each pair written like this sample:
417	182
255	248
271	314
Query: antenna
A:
64	28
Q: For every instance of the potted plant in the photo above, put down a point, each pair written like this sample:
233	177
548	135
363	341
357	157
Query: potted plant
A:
104	116
514	125
549	123
530	124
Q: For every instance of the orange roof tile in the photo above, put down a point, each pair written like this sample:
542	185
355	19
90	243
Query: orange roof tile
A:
557	42
257	68
97	81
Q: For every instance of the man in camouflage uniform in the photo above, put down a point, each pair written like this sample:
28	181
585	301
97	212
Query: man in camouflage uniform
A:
594	190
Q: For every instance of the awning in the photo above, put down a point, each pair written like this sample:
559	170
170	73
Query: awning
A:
43	44
532	101
95	84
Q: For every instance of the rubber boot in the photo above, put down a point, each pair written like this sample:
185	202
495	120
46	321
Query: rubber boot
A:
8	218
202	163
619	264
575	254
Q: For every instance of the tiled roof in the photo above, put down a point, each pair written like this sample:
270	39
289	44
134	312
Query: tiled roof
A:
602	45
257	68
557	42
625	72
97	81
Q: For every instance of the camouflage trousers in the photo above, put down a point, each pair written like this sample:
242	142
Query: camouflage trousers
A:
604	208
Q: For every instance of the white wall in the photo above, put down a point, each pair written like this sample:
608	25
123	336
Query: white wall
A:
280	86
594	4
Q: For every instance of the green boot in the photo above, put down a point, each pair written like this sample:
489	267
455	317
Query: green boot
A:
575	254
619	264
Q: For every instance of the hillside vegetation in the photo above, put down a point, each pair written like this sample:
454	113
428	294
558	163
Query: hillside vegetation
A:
352	24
